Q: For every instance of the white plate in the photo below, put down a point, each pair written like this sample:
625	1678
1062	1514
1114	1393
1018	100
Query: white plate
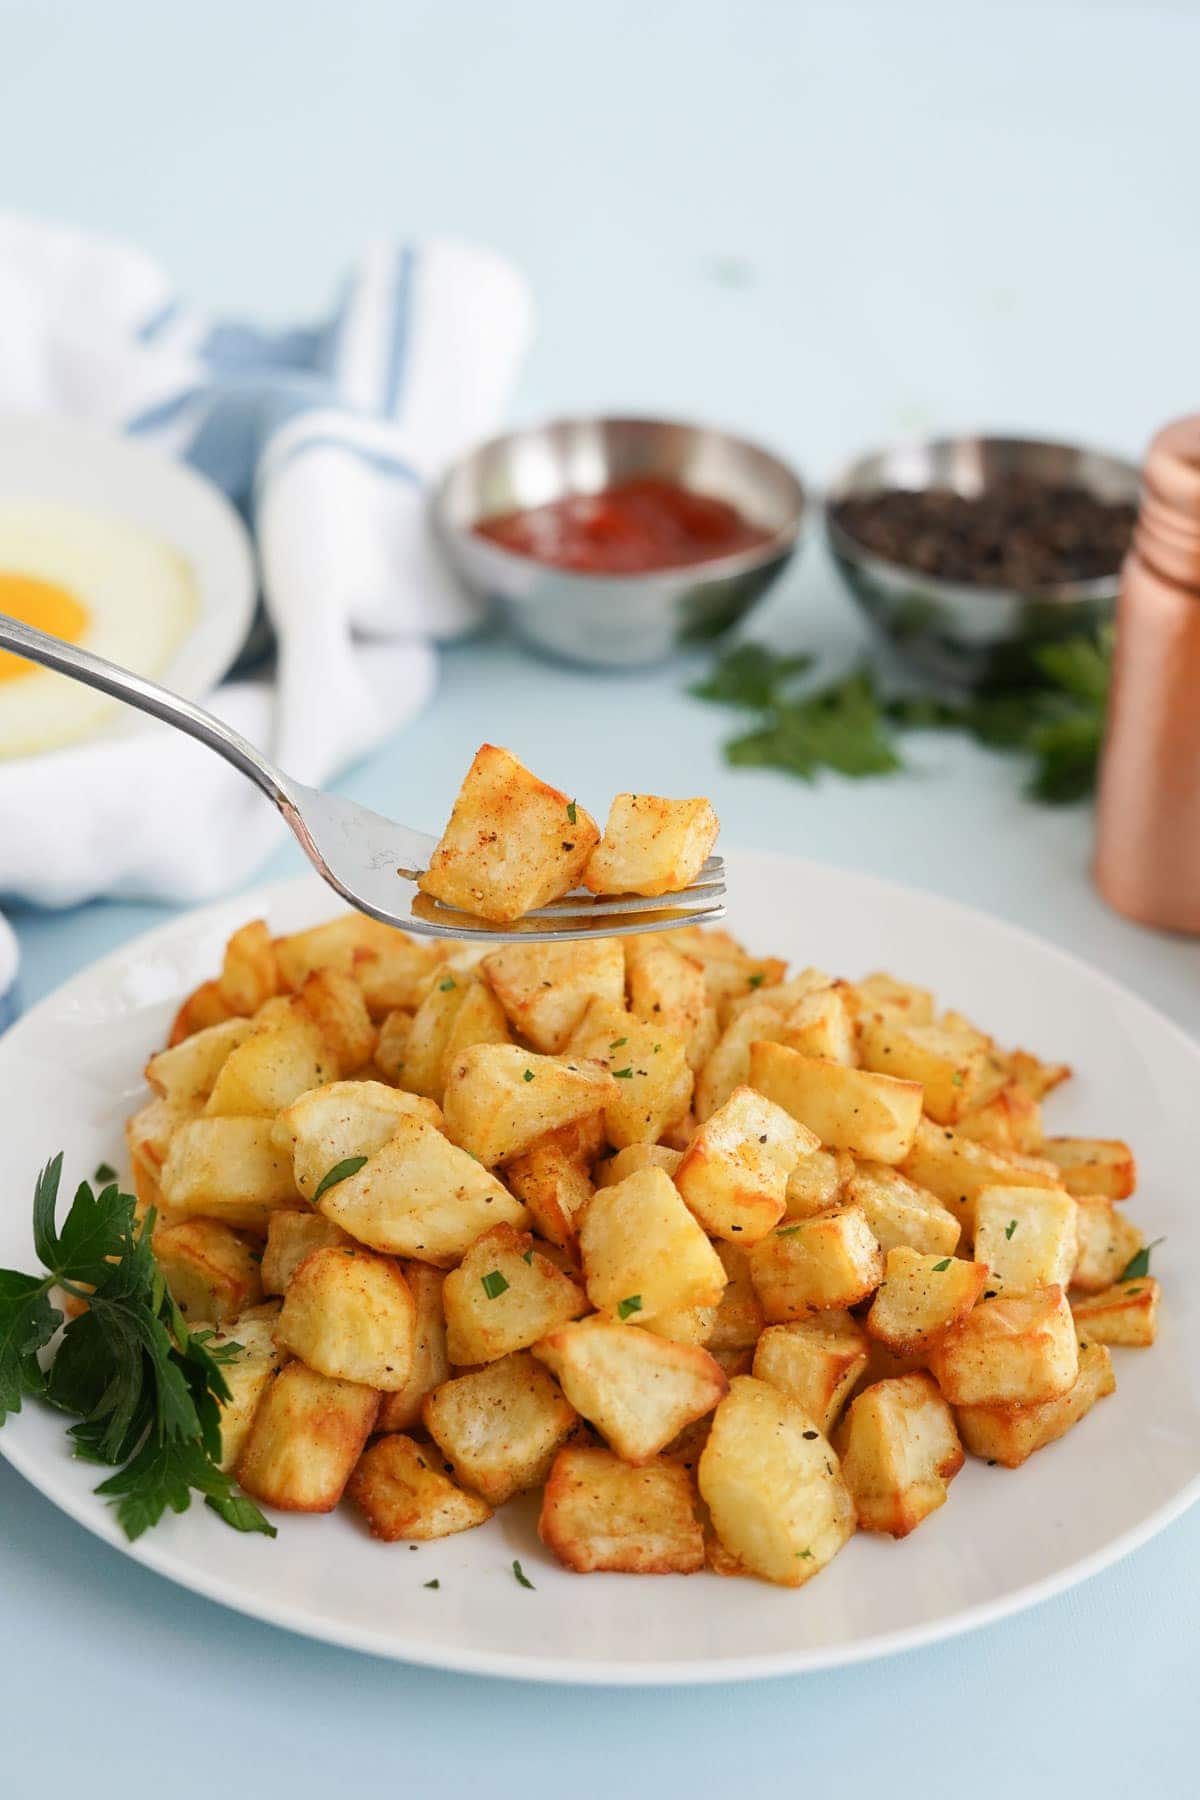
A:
70	1072
72	463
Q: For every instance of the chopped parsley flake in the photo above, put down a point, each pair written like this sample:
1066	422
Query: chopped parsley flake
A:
617	1042
521	1576
624	1074
528	1256
944	1264
104	1173
630	1305
1139	1264
349	1165
529	1075
756	980
444	987
435	1583
494	1284
573	815
1010	1228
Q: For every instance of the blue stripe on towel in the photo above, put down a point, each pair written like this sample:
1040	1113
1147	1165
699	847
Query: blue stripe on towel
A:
379	460
397	349
164	412
158	321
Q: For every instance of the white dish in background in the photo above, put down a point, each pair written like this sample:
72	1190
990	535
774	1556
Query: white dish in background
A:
71	1071
63	463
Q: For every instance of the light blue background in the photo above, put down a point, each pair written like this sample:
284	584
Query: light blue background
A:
827	226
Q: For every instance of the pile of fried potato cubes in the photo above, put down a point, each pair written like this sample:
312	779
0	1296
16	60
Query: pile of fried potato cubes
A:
726	1263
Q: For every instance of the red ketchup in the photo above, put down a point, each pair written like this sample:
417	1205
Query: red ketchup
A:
631	528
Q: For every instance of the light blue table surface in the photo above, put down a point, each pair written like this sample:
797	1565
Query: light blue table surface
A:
828	226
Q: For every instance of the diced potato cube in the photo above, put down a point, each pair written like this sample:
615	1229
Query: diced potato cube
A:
1028	1237
401	1409
634	1157
734	1173
479	1020
739	1318
811	1265
420	1196
246	1375
203	1007
1093	1165
336	1006
1011	1434
227	1169
512	844
1124	1314
955	1169
668	989
392	1046
1037	1077
638	1389
555	1185
347	944
783	997
501	1099
392	969
651	1078
545	988
1009	1119
423	1067
902	1214
343	1119
186	1073
899	1450
848	1109
1108	1241
817	1361
305	1439
883	996
651	845
350	1314
949	1065
818	1182
728	1065
772	1485
401	1494
277	1063
211	1272
250	970
821	1025
1015	1350
504	1296
639	1242
293	1234
921	1297
683	1324
501	1426
598	1513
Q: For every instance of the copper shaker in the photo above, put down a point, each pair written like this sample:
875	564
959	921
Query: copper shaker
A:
1148	819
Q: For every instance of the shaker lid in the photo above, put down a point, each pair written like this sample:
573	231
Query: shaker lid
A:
1168	529
1173	465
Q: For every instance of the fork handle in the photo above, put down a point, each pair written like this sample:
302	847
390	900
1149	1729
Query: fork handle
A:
148	697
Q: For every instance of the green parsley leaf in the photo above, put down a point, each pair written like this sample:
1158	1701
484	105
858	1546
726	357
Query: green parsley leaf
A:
633	1304
807	1554
528	1256
494	1284
756	980
104	1173
787	1230
938	1267
749	675
529	1075
617	1042
623	1074
572	812
958	1078
521	1576
1139	1264
435	1583
342	1171
240	1513
1010	1228
445	987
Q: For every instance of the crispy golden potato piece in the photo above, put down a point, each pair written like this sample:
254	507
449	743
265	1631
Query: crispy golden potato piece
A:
274	1065
504	1296
730	975
818	1182
250	971
739	1321
202	1008
920	1297
350	1314
343	1119
956	1169
668	989
391	1048
734	1173
1009	1119
684	1324
247	1374
1036	1077
651	846
307	1434
651	1078
501	1426
782	997
336	1006
347	944
772	1485
820	1024
634	1157
402	1494
185	1074
211	1272
899	1450
293	1234
501	1099
227	1169
640	1243
849	1109
598	1513
638	1389
1093	1165
817	1361
1124	1314
392	968
728	1065
148	1134
513	843
420	1196
1028	1237
1014	1350
900	1213
1107	1243
882	996
554	1183
401	1409
544	989
812	1265
459	1011
950	1065
1011	1434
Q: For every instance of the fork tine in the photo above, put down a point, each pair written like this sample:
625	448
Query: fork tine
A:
444	921
620	906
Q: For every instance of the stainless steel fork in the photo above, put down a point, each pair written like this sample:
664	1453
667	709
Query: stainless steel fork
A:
372	862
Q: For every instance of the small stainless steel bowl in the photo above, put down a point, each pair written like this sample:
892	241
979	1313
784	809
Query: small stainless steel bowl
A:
618	621
954	630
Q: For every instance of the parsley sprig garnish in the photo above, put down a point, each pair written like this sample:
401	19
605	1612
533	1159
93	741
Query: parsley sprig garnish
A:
144	1390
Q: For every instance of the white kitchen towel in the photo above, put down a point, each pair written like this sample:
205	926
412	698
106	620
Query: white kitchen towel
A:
327	436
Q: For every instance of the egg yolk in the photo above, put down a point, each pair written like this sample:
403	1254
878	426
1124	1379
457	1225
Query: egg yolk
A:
44	604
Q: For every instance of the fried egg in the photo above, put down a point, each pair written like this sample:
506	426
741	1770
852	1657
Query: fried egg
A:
94	580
